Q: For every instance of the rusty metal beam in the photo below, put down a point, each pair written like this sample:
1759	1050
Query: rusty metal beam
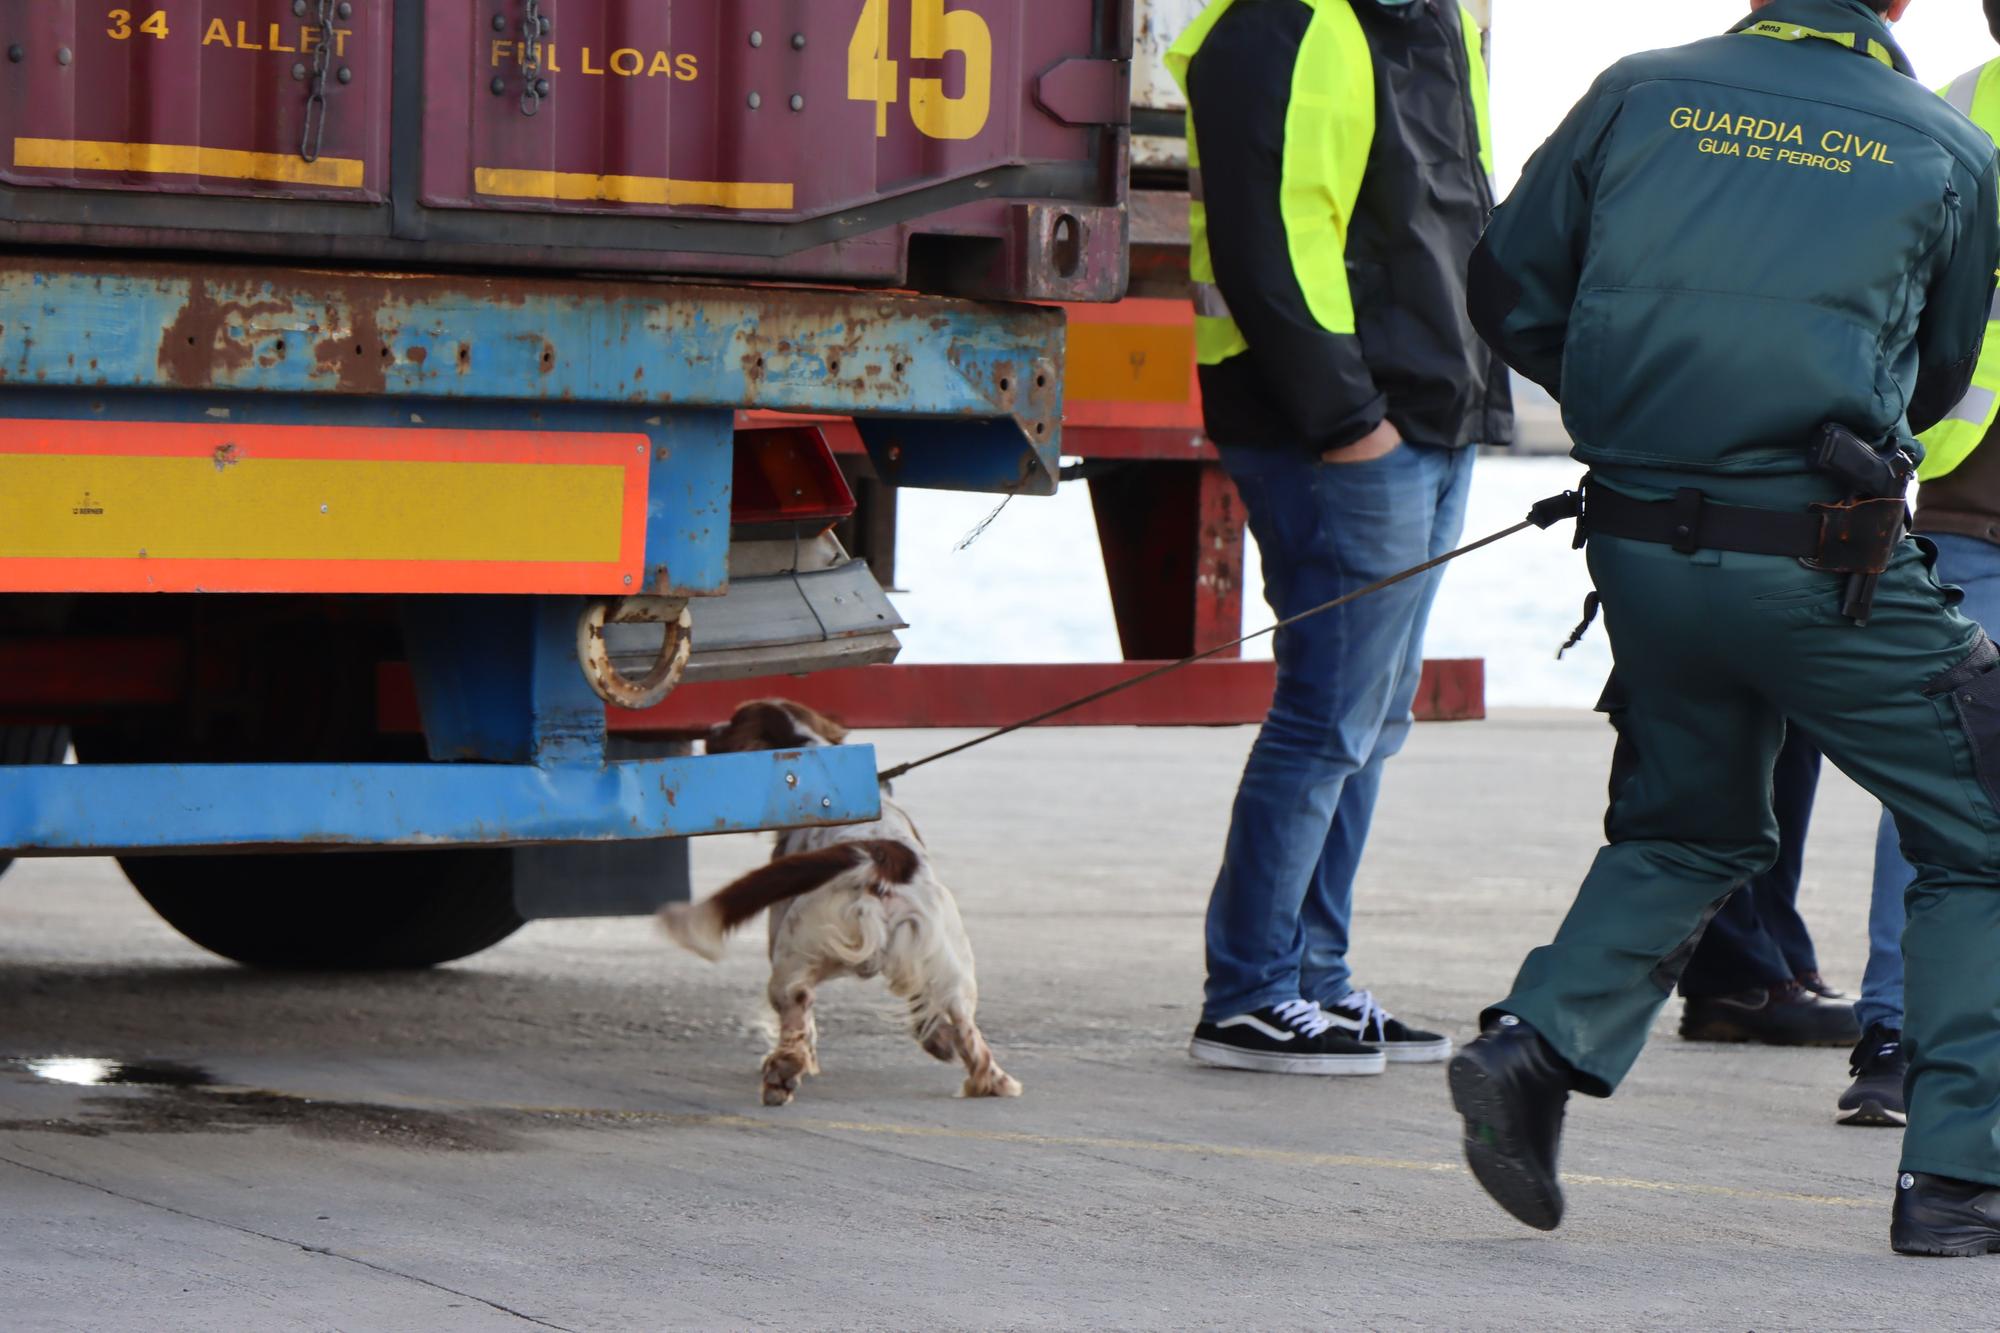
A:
96	325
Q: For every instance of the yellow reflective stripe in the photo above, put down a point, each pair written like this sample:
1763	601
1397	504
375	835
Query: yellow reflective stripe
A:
1181	54
1482	101
1798	32
1949	443
1216	340
1328	135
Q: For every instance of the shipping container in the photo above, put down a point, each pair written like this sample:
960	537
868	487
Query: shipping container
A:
975	147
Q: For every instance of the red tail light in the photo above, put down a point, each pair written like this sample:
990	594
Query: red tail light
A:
788	476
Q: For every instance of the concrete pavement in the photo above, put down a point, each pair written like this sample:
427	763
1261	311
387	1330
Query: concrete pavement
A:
565	1131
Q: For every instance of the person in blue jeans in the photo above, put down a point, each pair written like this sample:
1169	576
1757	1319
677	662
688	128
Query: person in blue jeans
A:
1958	509
1278	919
1340	169
1973	565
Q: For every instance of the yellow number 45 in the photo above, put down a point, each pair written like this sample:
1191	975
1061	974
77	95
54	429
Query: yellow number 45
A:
935	32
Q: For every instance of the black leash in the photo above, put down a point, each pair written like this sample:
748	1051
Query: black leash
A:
1545	514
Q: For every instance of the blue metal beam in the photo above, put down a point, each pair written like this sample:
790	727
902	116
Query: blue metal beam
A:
102	324
85	810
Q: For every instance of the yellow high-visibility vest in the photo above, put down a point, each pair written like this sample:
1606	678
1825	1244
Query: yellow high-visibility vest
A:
1327	139
1947	444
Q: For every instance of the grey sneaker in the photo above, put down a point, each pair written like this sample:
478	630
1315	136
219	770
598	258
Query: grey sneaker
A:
1877	1095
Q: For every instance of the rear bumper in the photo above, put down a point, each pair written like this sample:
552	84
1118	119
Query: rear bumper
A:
87	810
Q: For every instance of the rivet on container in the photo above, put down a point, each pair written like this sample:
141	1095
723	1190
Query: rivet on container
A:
756	39
346	75
756	100
499	86
499	20
299	8
798	102
299	70
62	55
798	41
16	53
346	9
541	87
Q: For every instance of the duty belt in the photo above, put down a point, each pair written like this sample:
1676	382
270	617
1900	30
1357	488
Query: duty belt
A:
1855	537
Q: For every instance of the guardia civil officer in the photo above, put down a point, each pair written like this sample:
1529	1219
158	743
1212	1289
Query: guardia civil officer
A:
1750	268
1341	176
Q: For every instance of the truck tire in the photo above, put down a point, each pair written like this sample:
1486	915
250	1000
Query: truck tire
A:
31	745
335	911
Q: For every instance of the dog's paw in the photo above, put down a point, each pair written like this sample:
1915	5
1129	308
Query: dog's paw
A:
783	1071
996	1084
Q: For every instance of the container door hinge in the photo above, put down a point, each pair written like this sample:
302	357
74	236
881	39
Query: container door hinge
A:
1087	92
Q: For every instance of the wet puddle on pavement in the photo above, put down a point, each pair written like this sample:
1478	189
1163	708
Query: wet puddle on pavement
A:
86	1072
177	1098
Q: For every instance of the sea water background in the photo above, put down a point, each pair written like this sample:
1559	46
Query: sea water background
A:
1032	589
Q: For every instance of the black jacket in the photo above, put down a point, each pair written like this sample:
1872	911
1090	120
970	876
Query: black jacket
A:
1414	357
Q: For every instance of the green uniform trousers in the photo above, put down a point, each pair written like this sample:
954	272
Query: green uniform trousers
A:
1714	652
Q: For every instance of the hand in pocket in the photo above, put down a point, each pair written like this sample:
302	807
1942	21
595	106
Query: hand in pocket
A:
1384	440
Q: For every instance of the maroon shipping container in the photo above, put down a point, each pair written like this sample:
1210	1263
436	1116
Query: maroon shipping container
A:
967	146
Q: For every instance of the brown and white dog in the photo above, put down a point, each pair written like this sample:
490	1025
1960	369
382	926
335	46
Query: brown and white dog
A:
858	901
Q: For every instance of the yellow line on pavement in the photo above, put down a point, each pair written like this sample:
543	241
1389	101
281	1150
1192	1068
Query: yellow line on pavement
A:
785	1121
1281	1156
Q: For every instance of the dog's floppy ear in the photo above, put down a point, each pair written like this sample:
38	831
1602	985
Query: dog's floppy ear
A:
760	724
816	723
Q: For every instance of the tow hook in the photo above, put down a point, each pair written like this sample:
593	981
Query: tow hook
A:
594	656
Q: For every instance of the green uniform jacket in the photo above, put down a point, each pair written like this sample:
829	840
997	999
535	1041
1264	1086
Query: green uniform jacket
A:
1731	242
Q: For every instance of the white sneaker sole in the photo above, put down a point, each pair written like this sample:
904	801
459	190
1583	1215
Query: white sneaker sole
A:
1217	1055
1873	1115
1415	1053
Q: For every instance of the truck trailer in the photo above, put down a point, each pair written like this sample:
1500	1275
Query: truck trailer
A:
398	397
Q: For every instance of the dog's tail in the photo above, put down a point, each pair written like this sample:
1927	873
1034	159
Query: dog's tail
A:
871	864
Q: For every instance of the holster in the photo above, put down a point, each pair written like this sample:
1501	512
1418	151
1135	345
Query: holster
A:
1858	536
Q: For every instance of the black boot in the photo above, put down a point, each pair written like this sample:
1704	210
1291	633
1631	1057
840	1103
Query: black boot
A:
1945	1218
1511	1089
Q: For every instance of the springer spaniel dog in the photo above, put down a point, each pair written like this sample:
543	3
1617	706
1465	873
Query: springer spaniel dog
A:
858	901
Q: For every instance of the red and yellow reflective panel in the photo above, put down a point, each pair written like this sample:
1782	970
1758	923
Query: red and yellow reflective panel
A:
1132	364
90	506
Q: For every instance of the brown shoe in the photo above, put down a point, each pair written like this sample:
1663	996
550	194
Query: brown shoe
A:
1783	1015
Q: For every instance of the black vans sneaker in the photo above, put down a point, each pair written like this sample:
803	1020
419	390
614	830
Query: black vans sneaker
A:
1289	1038
1877	1095
1366	1021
